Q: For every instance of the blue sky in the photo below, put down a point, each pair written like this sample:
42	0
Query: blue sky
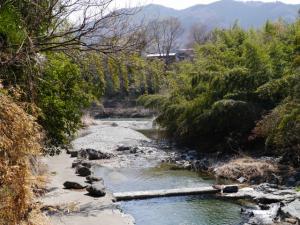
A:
181	4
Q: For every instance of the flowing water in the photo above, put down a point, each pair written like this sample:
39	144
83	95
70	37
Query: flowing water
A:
183	210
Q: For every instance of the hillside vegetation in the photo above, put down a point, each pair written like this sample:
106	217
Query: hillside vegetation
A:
50	72
222	13
242	89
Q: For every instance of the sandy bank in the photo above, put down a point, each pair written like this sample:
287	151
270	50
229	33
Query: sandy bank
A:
75	207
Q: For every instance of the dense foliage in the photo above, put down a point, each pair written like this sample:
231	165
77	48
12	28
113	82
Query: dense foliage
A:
132	75
50	71
242	86
62	95
64	83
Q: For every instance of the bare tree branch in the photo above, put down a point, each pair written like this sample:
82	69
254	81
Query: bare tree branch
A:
164	34
61	25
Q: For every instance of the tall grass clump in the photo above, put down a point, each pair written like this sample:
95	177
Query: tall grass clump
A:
20	138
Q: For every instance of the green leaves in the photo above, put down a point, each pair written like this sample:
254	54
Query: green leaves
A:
281	129
12	31
62	95
234	79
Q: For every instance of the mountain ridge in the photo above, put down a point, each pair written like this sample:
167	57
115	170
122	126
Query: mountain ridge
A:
224	13
220	14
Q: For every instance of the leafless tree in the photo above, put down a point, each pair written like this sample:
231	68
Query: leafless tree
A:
199	34
164	34
62	25
74	27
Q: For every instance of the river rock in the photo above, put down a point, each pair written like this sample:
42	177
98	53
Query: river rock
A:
291	221
231	189
262	217
268	193
227	189
83	171
134	150
91	179
114	124
92	154
121	148
76	163
242	180
266	187
73	153
96	190
292	209
201	165
269	198
74	185
264	207
87	164
80	162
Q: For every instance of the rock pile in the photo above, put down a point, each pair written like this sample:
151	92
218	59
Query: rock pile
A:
274	204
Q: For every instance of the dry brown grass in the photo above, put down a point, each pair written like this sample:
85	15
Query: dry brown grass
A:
35	217
62	209
20	138
246	167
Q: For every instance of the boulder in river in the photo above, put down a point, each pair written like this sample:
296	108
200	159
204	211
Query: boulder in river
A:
92	179
80	162
231	189
114	124
83	171
73	153
74	185
86	164
264	216
134	150
92	154
121	148
227	188
96	190
76	163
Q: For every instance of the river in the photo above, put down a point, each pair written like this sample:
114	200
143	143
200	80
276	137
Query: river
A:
144	171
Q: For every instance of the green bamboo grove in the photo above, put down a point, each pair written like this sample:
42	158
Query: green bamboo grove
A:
241	93
132	75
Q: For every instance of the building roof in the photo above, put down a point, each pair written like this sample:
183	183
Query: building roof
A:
160	55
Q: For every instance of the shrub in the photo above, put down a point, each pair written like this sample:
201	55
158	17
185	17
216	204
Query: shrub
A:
281	129
63	93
